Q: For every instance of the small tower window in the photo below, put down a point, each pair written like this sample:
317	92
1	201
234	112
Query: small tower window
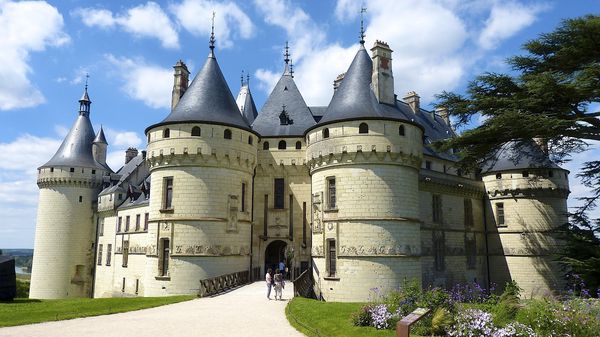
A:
401	130
525	174
93	171
250	140
498	175
51	169
326	133
227	134
282	145
166	133
80	198
72	169
265	145
363	128
196	131
298	145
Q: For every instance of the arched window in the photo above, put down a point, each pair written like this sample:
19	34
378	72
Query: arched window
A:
363	128
282	145
265	145
195	131
326	133
166	133
298	145
250	140
227	134
401	130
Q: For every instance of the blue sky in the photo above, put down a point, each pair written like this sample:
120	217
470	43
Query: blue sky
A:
128	49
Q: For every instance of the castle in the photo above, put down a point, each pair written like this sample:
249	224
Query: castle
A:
352	192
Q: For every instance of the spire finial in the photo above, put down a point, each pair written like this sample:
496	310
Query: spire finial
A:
291	68
86	80
248	78
242	78
212	36
362	27
287	53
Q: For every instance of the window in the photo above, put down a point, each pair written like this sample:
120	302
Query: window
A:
100	254
468	207
326	133
123	286
437	208
401	130
282	145
498	175
363	128
525	174
127	221
168	193
120	196
331	258
137	222
146	221
298	145
279	193
445	168
550	174
196	132
119	222
101	227
331	197
137	285
250	140
428	165
125	253
80	198
163	259
500	220
227	134
265	145
166	133
108	253
72	169
291	220
93	171
51	169
438	251
243	197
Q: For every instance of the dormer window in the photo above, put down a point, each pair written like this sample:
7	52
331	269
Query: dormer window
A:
227	134
401	130
166	133
326	133
363	128
265	145
298	145
282	145
196	131
284	118
498	175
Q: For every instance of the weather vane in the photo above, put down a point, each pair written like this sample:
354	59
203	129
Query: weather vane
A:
291	68
287	53
362	28
242	78
212	34
86	80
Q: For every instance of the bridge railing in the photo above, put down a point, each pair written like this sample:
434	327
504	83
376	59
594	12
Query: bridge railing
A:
218	284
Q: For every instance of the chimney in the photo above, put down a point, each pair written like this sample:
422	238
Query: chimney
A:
442	111
180	83
338	81
131	153
542	143
412	99
382	78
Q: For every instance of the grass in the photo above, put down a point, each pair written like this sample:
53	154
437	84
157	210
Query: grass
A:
317	319
26	311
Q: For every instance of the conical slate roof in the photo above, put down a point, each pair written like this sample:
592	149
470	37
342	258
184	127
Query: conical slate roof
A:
354	99
285	93
100	138
245	103
76	148
208	99
514	156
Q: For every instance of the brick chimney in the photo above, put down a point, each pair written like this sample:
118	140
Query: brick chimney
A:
130	153
412	99
180	83
383	78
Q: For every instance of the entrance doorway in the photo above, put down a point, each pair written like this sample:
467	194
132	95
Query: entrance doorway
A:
274	253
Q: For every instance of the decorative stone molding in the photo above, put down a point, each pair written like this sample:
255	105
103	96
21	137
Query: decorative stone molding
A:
337	158
383	250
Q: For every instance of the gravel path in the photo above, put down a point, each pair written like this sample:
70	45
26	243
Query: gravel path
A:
242	312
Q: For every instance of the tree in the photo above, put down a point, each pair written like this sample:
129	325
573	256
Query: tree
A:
546	97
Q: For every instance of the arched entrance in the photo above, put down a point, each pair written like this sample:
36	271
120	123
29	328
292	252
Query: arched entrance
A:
274	253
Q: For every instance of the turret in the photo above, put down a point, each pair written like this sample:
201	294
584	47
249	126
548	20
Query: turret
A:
526	203
99	148
64	238
245	101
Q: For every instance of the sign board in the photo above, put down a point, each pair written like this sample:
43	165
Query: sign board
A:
403	326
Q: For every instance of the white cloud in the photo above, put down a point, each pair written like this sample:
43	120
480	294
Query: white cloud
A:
346	10
230	21
578	190
147	20
505	20
18	38
148	83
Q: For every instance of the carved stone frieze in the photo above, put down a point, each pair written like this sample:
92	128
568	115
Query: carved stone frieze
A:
381	250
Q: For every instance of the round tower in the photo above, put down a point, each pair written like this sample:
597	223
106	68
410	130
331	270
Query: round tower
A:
527	201
64	238
201	159
364	158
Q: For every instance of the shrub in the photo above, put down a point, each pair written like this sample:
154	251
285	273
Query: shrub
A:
441	320
22	289
362	317
472	322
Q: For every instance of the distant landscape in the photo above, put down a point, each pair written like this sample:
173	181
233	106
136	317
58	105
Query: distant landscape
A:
23	257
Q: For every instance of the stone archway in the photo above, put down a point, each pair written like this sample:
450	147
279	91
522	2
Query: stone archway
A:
274	253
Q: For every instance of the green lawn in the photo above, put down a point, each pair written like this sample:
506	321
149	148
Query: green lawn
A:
315	318
27	311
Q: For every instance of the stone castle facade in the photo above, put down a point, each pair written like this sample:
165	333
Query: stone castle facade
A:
353	192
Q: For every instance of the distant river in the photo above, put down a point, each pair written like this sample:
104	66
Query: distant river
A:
20	270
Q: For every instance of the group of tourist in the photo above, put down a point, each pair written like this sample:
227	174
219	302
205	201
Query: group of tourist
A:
276	281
